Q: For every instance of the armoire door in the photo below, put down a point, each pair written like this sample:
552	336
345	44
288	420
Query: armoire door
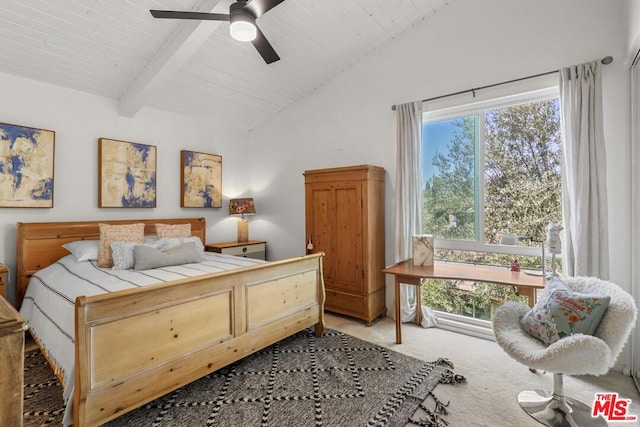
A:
347	246
320	210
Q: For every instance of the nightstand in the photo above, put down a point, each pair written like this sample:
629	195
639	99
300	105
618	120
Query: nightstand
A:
250	249
4	276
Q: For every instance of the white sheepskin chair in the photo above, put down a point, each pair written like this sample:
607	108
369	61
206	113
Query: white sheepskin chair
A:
573	355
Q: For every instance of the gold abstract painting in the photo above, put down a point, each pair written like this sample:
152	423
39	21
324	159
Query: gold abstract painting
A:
200	180
26	167
127	174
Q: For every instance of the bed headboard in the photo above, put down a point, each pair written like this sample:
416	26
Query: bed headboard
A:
39	244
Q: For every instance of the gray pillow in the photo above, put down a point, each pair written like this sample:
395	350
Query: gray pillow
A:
123	255
147	257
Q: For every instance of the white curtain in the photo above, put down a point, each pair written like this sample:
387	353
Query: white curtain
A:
584	197
635	208
407	210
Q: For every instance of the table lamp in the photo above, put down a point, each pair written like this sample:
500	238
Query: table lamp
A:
242	207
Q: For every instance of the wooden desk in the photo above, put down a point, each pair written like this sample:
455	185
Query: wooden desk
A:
406	272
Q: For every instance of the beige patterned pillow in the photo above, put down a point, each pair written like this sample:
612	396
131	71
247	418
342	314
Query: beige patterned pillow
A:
164	231
133	233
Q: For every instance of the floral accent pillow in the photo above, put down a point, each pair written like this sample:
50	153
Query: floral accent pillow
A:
165	231
117	233
561	312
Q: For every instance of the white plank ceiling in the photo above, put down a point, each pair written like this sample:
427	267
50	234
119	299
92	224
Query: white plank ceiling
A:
116	49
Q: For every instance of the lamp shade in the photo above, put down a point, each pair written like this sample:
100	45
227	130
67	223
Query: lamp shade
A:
242	207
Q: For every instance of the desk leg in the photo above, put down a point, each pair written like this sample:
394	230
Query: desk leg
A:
530	293
398	314
419	304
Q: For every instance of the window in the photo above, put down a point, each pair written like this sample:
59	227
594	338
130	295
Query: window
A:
490	168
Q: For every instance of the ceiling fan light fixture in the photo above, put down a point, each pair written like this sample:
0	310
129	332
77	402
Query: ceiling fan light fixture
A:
243	31
243	23
242	18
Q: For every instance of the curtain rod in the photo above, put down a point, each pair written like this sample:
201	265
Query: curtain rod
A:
606	60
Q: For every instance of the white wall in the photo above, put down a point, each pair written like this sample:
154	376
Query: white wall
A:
468	44
79	119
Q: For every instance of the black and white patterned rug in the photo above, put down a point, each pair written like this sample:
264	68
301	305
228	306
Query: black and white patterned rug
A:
337	380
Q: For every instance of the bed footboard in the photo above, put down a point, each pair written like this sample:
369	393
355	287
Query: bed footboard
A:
136	345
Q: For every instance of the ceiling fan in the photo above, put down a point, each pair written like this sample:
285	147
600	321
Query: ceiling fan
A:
242	17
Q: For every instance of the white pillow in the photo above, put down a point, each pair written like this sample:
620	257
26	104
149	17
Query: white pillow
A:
123	254
84	250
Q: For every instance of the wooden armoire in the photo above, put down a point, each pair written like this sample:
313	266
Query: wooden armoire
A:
345	220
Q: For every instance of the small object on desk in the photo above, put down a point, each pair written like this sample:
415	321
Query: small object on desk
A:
423	249
515	265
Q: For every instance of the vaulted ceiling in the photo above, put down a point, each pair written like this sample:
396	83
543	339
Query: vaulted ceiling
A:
116	49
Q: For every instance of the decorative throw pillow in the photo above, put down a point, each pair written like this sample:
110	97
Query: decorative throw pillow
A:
147	257
84	250
561	312
164	231
177	241
123	254
117	233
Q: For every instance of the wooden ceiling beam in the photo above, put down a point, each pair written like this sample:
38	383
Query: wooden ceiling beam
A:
187	39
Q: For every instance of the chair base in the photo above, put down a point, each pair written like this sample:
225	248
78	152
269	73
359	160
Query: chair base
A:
554	411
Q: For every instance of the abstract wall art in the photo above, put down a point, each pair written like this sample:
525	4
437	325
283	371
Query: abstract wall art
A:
26	167
200	180
127	174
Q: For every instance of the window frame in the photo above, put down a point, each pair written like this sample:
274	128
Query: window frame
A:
525	92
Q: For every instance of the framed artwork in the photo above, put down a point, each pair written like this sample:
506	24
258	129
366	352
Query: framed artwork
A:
127	174
26	166
200	180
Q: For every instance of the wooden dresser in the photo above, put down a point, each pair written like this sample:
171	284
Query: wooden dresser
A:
12	328
345	220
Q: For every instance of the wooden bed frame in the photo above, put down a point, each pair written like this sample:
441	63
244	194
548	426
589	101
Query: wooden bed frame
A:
136	345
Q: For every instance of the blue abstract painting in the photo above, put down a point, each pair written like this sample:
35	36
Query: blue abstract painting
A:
201	180
127	177
26	166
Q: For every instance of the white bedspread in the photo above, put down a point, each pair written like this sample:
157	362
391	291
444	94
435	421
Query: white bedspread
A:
48	306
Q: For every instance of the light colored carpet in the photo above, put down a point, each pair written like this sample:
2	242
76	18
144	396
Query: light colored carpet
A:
488	398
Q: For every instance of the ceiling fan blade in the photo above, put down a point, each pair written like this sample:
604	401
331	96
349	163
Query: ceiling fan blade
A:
260	7
264	48
172	14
